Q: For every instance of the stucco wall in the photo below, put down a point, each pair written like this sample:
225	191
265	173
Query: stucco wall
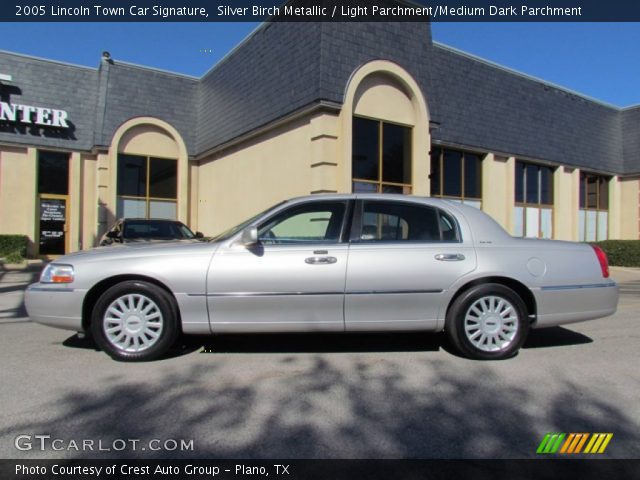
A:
236	184
18	173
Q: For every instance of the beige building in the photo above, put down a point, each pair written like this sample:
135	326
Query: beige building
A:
362	107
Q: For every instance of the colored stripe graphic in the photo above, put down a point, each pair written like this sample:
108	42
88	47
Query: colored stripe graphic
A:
574	443
598	443
553	443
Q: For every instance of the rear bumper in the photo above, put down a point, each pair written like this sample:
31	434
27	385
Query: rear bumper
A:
562	304
55	306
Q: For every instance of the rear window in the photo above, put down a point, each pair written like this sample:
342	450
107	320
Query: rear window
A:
406	222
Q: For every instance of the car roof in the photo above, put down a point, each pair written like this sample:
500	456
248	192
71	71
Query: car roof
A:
377	196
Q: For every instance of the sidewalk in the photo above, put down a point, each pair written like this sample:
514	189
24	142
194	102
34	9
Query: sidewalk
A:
13	281
625	274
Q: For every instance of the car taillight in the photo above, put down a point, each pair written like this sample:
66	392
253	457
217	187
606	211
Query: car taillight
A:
604	262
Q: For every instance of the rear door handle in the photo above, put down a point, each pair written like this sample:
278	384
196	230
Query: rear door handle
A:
449	257
320	260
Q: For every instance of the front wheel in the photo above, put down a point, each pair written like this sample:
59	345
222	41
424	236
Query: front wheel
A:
487	322
135	321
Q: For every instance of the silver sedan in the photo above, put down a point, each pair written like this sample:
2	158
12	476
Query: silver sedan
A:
331	263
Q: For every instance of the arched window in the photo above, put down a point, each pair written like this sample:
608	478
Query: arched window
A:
385	123
149	162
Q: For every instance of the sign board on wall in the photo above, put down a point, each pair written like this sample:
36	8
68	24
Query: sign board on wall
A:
52	210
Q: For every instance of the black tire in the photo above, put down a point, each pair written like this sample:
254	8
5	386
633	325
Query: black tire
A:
158	326
505	325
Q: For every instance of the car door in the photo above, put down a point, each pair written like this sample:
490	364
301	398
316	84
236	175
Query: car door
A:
402	259
292	280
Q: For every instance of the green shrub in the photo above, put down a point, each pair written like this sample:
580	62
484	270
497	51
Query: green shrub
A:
13	247
13	257
621	253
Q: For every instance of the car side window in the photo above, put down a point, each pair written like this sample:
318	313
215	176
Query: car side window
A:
448	228
174	230
315	222
405	222
144	229
182	231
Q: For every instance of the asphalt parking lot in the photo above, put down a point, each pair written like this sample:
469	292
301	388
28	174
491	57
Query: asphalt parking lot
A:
319	396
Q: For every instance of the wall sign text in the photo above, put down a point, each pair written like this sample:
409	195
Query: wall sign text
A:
29	115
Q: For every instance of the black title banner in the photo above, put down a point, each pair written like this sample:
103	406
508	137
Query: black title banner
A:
319	10
537	469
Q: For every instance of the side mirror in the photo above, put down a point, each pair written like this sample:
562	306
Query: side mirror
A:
249	237
199	235
114	236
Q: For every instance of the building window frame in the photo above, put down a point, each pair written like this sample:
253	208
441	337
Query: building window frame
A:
380	183
463	197
542	206
597	211
147	197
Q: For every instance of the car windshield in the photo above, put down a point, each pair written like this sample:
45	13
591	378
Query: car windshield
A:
232	231
144	229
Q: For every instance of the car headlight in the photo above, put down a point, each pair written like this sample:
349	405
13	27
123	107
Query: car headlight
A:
57	273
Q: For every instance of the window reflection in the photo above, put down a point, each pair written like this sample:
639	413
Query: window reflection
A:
147	187
533	213
381	157
456	174
594	205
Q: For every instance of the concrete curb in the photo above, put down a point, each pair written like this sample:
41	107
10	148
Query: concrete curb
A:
27	265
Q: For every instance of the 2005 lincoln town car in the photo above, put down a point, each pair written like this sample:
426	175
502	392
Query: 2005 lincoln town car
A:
331	263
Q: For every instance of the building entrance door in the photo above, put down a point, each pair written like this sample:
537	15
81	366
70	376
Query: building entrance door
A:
52	224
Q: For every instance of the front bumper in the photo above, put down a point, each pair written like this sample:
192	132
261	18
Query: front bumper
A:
55	305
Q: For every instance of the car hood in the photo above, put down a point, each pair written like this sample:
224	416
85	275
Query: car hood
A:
140	249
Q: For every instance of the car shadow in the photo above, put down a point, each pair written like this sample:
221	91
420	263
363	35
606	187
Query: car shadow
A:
555	337
84	342
335	342
319	343
183	346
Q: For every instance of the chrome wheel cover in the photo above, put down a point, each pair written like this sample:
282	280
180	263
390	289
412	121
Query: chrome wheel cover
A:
491	323
132	323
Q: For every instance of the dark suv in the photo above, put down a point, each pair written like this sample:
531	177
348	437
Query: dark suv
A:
127	230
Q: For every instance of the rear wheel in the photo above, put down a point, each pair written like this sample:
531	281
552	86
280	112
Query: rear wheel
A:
488	322
135	321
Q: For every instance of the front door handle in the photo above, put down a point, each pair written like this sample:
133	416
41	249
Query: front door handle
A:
450	257
320	260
